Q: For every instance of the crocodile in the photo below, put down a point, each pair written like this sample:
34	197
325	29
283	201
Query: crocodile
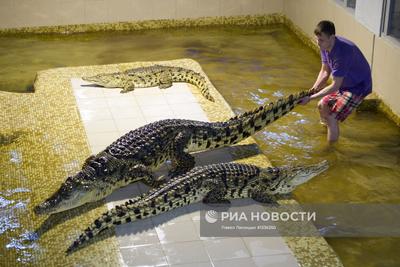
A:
211	184
156	75
134	156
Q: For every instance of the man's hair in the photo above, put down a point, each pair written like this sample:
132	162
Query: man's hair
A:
325	26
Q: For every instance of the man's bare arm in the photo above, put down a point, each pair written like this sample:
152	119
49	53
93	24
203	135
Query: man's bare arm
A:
334	86
322	78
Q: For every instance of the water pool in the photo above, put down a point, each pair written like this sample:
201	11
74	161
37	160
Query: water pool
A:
249	66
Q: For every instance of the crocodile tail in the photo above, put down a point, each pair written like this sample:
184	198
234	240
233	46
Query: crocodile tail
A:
195	78
246	124
128	212
134	209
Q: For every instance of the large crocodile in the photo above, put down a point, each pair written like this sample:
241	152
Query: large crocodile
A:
156	75
215	183
135	155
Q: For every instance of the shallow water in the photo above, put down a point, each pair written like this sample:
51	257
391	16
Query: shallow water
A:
249	66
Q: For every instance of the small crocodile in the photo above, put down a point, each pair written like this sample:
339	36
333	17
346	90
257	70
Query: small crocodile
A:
217	183
135	155
156	75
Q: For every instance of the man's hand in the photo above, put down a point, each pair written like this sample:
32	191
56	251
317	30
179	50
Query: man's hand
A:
305	100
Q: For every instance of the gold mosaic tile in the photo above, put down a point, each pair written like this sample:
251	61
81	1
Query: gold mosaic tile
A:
152	24
374	103
45	130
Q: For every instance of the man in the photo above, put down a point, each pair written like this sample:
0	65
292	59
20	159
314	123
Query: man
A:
351	77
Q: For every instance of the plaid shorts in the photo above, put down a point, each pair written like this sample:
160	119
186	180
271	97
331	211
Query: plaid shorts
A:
342	103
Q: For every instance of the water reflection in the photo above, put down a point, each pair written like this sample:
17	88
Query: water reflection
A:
9	214
278	94
258	99
13	209
25	246
364	164
9	192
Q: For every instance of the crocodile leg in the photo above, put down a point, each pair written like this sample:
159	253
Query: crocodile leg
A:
181	160
128	86
165	85
165	81
260	195
217	192
140	170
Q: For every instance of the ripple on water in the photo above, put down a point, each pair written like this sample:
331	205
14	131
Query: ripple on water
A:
279	138
278	94
5	202
258	99
301	118
21	243
8	223
24	244
9	192
301	121
9	214
12	210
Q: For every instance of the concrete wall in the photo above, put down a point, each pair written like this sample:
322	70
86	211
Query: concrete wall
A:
369	13
307	13
23	13
383	53
386	72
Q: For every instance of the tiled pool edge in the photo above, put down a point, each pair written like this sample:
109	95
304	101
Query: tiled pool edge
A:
151	24
308	251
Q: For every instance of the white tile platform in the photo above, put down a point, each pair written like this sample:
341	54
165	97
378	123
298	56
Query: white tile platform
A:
171	239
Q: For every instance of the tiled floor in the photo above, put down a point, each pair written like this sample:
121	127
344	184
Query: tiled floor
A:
171	239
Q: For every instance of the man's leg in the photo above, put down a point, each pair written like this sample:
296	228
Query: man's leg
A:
330	119
323	112
333	128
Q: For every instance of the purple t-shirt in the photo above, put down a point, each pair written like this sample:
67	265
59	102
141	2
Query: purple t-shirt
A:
346	60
